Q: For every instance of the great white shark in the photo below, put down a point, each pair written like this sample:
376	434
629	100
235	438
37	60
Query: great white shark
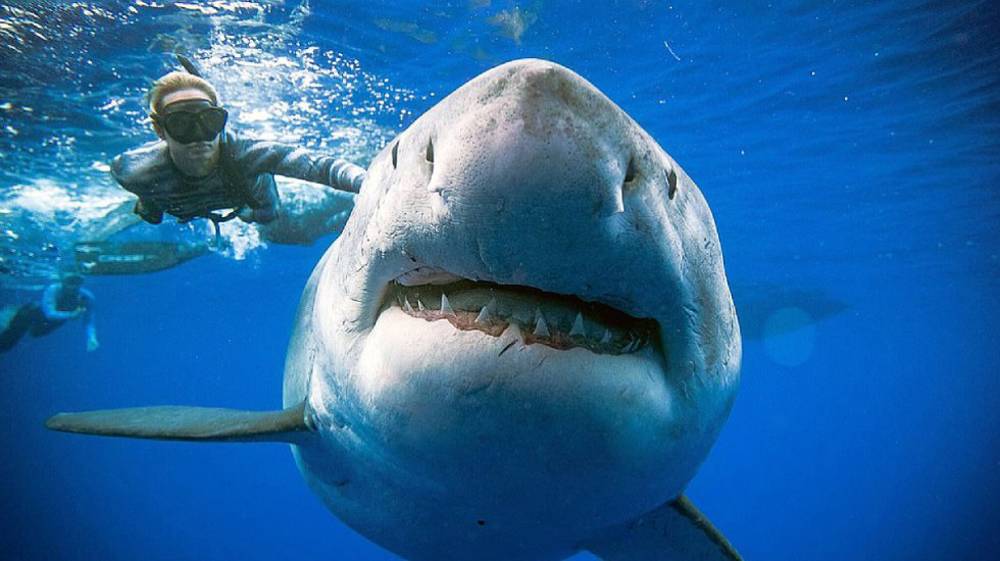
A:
522	345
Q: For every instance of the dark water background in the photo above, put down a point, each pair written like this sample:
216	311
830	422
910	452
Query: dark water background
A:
849	152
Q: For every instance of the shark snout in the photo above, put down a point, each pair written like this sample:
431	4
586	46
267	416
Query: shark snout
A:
519	172
540	182
544	140
535	178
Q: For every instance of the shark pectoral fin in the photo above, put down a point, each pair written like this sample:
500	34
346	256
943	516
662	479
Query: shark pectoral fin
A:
199	424
676	531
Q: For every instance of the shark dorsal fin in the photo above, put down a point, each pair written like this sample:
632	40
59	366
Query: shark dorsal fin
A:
198	424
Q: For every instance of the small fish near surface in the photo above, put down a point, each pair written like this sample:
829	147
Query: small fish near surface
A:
522	346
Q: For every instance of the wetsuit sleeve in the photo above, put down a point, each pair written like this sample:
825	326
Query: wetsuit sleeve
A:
300	163
49	305
144	208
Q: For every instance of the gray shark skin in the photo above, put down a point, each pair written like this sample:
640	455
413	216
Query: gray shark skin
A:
518	178
522	345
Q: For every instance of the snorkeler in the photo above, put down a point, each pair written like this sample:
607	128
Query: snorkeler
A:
198	166
61	302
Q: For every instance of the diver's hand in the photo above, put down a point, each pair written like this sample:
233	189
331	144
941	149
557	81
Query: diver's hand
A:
151	215
92	343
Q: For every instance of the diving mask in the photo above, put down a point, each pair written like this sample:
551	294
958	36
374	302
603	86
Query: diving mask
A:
195	120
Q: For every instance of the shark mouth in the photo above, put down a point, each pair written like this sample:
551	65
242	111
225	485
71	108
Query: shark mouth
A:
554	320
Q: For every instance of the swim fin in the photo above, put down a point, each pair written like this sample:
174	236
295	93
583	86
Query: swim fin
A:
198	424
675	531
132	258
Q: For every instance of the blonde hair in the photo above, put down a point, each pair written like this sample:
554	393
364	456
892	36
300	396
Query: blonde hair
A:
176	81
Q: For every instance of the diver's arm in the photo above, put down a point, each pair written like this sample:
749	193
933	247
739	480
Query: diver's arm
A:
346	176
300	163
49	305
88	319
145	209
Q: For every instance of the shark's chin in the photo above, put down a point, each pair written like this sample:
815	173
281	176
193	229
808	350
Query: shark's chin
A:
469	405
464	425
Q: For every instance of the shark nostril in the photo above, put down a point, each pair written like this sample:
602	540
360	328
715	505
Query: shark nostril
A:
395	152
433	185
630	171
671	184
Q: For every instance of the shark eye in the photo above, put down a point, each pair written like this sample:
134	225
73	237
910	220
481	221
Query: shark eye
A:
395	152
671	184
630	171
429	156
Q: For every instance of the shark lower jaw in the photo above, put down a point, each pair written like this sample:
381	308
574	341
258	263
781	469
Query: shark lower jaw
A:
534	316
497	408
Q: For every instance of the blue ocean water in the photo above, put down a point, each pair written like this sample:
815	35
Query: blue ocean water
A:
849	152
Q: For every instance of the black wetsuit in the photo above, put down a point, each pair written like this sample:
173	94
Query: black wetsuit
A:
243	177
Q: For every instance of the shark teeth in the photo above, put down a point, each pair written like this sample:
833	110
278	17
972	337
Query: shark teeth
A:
445	305
631	345
541	328
515	332
577	330
554	320
486	314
